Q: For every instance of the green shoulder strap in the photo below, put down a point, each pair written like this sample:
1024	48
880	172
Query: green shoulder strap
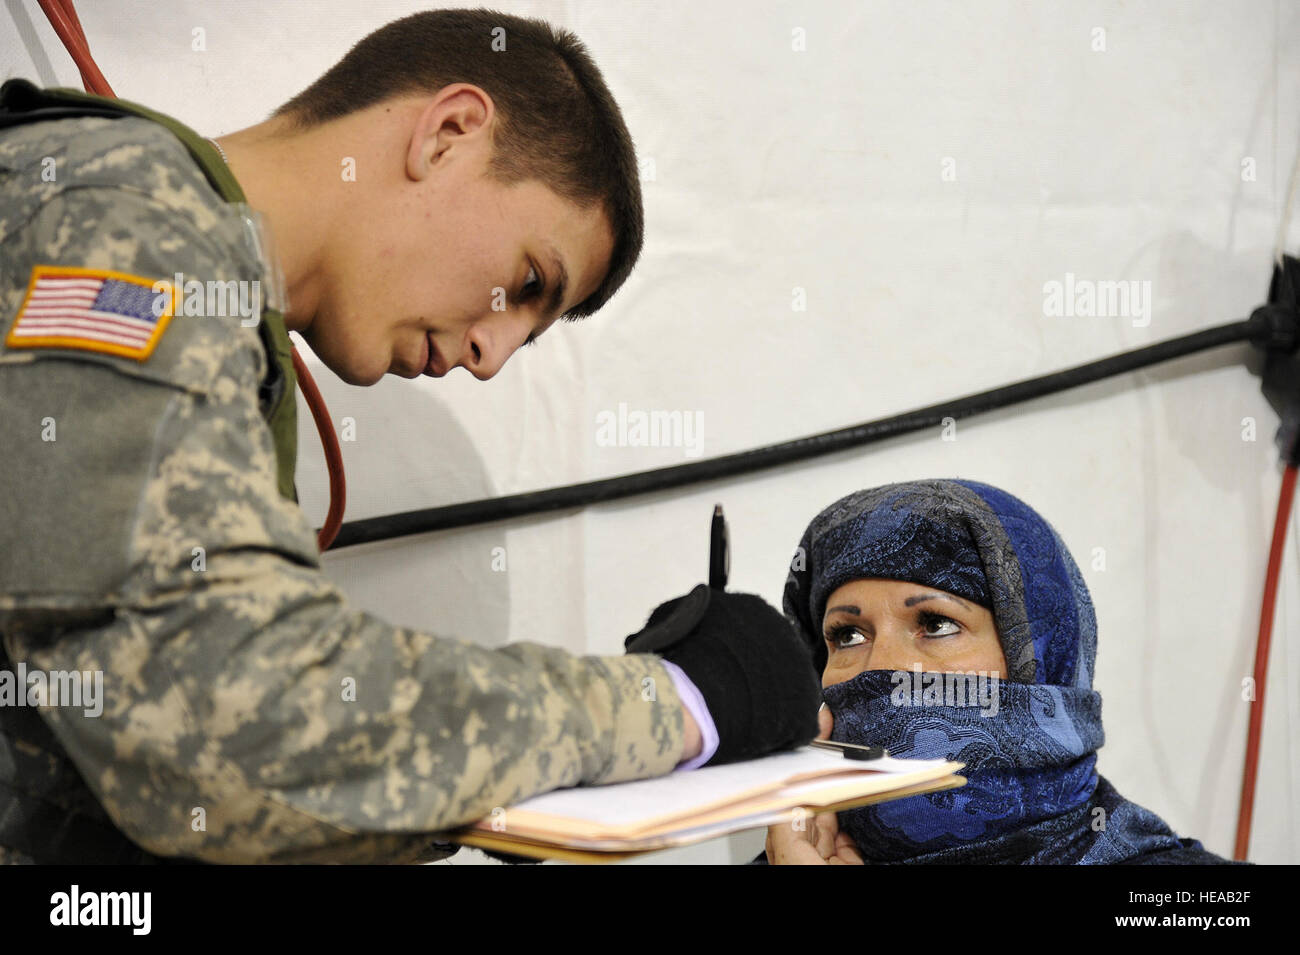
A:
20	96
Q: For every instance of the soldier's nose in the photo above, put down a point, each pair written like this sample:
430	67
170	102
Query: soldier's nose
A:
483	360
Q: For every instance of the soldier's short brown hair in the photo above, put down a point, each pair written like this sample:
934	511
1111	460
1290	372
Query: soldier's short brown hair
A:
557	120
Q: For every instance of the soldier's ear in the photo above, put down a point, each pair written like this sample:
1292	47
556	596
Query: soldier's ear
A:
447	118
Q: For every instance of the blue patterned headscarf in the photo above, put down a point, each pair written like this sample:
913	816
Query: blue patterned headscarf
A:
1032	794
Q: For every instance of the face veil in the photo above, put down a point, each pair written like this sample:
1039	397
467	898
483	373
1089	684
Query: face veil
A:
1029	741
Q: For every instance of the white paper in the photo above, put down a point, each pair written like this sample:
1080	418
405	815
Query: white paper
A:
679	792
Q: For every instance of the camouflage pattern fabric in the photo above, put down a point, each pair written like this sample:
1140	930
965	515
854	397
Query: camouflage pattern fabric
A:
249	712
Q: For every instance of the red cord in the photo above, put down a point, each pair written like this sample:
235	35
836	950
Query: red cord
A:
64	19
76	22
68	27
333	455
1247	807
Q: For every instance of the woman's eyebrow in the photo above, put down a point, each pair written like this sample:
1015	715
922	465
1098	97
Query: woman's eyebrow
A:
910	601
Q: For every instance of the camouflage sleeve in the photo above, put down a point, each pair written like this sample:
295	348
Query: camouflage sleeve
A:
249	712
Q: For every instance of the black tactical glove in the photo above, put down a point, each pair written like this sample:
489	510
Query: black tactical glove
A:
756	675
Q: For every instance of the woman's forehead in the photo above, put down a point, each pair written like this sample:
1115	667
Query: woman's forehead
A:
904	591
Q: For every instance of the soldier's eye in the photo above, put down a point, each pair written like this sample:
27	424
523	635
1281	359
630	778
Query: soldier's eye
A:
532	285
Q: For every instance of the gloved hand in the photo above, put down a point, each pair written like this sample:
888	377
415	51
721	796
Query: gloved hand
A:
755	674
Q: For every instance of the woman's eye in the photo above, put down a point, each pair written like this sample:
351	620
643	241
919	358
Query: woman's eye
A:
839	635
932	619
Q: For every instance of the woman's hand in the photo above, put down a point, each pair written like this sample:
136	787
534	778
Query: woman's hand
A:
818	840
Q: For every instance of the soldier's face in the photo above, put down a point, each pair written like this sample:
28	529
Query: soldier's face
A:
450	268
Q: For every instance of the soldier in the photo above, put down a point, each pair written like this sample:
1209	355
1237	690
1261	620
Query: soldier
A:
151	535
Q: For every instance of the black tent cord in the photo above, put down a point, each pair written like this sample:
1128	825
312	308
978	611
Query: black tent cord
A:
1266	328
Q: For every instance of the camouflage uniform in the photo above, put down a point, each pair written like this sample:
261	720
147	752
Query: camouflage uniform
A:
224	686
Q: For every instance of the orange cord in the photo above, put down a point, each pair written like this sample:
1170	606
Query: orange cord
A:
1247	806
66	24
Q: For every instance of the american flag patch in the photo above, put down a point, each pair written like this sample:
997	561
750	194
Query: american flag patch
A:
93	310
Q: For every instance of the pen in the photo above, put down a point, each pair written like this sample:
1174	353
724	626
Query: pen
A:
719	550
852	750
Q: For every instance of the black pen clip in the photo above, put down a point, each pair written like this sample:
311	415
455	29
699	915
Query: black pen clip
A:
851	750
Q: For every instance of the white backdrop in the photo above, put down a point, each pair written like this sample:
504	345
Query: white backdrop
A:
920	170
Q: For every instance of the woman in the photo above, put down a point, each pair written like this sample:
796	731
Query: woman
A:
894	585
